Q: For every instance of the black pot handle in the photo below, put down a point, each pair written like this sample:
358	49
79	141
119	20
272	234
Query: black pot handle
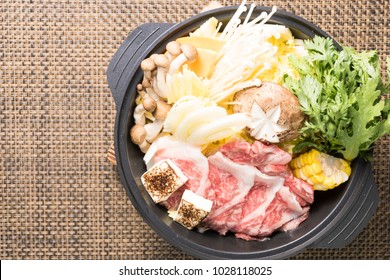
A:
130	53
358	216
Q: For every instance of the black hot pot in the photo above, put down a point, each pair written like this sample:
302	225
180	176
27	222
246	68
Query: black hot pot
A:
336	217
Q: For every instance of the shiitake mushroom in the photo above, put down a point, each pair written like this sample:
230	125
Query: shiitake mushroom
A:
267	96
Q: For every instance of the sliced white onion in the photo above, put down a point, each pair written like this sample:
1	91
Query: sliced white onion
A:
219	129
179	110
198	118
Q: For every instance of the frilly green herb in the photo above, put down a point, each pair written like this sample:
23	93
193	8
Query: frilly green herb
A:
342	94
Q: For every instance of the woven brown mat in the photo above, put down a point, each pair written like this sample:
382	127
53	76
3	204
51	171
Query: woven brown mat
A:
59	196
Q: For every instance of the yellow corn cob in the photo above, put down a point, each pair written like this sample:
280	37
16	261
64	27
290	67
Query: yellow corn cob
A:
320	170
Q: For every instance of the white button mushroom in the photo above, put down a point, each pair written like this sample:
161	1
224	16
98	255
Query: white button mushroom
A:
150	91
139	114
162	63
148	102
189	53
138	134
140	87
173	50
147	65
146	83
162	110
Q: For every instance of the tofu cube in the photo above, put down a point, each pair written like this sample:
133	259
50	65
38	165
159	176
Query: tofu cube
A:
192	209
163	179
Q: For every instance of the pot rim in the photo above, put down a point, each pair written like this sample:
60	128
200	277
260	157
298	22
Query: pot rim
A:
354	186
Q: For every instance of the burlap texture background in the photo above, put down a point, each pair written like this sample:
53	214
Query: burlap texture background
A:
59	196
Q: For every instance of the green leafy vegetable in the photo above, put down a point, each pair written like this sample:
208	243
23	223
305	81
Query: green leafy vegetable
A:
342	94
